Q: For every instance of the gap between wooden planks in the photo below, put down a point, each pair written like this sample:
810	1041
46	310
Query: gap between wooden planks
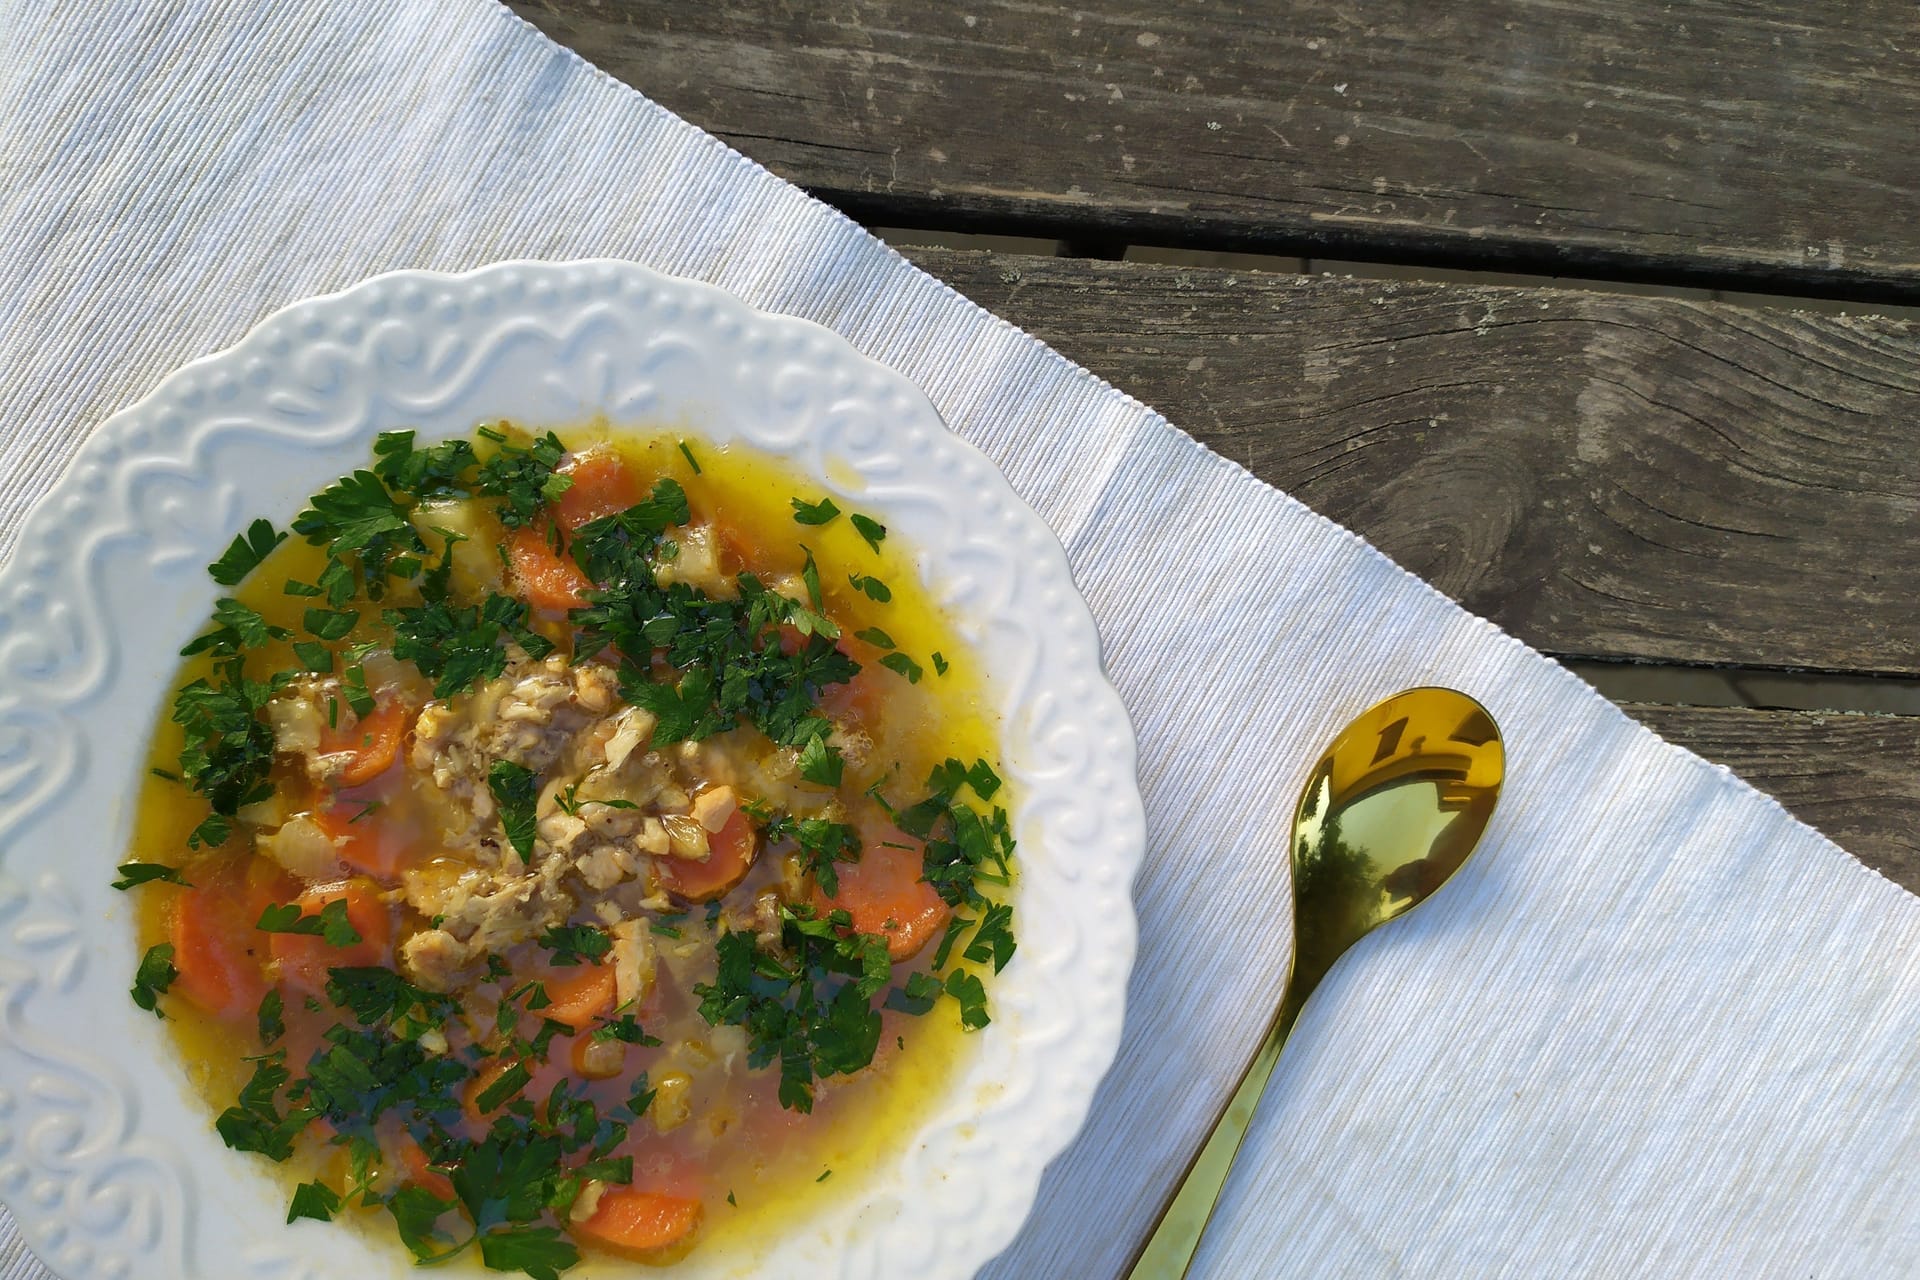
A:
1759	146
1636	478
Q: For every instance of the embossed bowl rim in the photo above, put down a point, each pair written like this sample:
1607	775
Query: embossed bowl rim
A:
108	1162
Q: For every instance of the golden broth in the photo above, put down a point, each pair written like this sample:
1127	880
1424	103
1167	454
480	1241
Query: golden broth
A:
860	1122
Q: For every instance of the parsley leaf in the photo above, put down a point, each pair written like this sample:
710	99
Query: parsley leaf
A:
271	1022
872	530
353	686
972	995
374	994
139	873
228	750
314	1200
812	513
821	764
810	575
356	516
875	637
506	1085
541	1252
328	624
438	471
246	552
155	974
459	647
330	925
524	478
517	789
807	1007
940	664
211	832
993	940
900	662
236	630
417	1213
872	586
573	943
313	656
254	1122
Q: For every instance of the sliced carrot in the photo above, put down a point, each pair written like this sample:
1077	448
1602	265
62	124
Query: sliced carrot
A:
220	955
363	841
579	997
636	1221
729	854
603	485
304	959
420	1171
862	698
545	578
884	894
373	741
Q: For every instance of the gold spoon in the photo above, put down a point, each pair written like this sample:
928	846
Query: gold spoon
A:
1390	812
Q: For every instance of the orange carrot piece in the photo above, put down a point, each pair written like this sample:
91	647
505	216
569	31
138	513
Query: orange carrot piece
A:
219	953
374	741
580	997
546	578
884	894
730	853
634	1221
413	1158
603	485
364	842
305	958
862	698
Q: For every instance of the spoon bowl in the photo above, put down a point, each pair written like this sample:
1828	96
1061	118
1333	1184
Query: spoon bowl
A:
1391	810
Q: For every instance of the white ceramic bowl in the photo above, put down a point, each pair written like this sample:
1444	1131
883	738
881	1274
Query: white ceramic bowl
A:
111	1167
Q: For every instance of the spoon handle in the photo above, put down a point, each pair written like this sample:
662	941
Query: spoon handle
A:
1170	1250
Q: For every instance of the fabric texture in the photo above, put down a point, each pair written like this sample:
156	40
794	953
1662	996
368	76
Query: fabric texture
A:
1656	1027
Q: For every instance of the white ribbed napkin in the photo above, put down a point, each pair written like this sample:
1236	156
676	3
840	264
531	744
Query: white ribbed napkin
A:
1655	1028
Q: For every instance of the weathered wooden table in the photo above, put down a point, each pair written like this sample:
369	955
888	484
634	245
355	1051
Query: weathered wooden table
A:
1617	476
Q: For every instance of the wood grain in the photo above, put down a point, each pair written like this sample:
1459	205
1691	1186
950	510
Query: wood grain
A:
1757	145
1856	778
1605	475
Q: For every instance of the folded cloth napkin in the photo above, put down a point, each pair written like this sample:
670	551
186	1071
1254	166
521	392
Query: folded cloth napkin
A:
1657	1027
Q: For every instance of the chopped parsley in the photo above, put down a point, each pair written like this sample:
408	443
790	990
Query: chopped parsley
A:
133	874
870	529
576	943
872	587
900	662
245	554
814	513
330	925
821	764
808	1008
155	974
516	789
461	646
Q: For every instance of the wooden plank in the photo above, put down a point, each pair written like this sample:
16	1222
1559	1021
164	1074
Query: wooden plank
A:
1756	145
1854	777
1605	475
